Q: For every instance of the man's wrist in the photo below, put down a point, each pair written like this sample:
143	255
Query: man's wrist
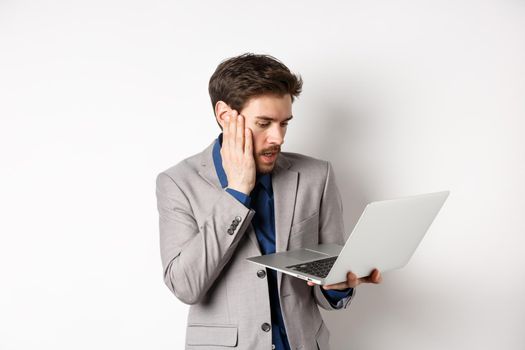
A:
242	189
241	197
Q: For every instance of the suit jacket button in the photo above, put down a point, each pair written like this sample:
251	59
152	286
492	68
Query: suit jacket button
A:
238	219
266	327
261	273
230	231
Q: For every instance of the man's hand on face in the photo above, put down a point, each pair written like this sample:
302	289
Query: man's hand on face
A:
352	281
237	154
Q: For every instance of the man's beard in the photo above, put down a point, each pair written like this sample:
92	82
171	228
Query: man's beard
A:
263	168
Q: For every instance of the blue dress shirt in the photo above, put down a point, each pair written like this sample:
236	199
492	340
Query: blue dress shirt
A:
261	200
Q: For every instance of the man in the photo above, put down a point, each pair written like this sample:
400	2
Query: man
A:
243	197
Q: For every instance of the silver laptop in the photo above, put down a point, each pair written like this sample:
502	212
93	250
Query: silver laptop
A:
385	237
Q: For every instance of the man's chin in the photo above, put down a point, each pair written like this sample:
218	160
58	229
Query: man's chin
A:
265	169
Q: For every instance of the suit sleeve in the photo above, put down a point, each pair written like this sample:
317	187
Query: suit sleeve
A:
331	230
193	254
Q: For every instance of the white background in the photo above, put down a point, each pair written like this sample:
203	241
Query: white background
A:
404	97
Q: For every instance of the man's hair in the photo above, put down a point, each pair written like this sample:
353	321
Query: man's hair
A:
240	78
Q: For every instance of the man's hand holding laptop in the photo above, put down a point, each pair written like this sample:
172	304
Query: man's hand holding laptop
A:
352	281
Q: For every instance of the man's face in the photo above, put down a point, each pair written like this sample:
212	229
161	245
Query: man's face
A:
267	116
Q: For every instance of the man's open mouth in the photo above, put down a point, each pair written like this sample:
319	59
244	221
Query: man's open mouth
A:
269	157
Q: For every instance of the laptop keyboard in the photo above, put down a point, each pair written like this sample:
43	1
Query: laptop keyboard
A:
319	268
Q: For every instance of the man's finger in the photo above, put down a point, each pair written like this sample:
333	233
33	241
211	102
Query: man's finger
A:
232	131
248	142
240	135
352	280
342	285
225	130
374	277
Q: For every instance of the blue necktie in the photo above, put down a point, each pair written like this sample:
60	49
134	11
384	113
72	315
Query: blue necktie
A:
264	219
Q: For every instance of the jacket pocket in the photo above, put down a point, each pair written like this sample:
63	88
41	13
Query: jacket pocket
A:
310	223
218	335
304	233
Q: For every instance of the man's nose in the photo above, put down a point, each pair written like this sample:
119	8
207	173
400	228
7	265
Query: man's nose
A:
276	135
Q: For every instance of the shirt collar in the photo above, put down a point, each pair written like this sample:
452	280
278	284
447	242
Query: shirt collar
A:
217	161
264	179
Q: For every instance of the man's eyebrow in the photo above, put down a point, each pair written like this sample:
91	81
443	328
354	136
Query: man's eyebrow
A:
270	119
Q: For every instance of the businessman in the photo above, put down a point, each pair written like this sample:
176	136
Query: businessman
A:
241	197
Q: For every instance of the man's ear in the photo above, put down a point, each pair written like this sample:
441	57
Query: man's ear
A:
221	111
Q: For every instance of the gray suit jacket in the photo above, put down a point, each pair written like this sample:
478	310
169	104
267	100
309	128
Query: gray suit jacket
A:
204	264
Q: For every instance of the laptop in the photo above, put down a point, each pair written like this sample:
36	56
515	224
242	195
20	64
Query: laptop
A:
385	237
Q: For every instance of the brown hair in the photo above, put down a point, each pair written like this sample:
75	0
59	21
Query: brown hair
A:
240	78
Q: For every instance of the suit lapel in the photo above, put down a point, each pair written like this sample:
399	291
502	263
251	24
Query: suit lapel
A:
207	169
284	183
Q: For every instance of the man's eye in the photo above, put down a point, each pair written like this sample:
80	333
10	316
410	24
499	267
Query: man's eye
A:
263	125
284	124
